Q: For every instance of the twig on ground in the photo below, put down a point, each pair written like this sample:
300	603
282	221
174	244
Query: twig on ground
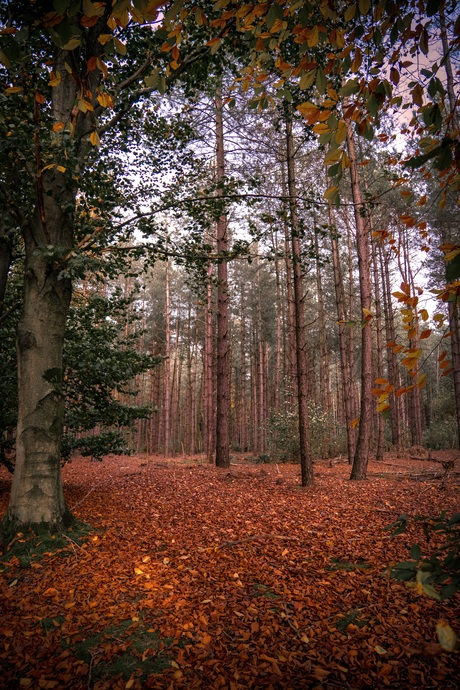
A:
89	493
74	543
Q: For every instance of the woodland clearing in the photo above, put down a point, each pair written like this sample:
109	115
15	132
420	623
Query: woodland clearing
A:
193	576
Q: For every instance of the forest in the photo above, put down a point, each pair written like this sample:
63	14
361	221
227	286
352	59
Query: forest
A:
230	345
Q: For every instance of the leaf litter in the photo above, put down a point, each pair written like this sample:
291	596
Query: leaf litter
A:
188	580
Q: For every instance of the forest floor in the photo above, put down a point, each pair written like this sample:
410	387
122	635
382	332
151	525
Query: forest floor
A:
197	577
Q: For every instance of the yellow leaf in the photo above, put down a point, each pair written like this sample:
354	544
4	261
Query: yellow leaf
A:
330	192
4	59
119	46
354	423
13	89
341	133
350	13
73	43
307	79
421	381
451	255
446	636
321	128
58	126
94	138
305	107
129	684
25	682
383	406
138	571
84	106
146	559
105	100
55	78
61	168
104	38
367	312
380	650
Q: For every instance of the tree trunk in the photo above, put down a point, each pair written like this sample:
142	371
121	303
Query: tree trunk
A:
346	354
325	383
392	363
453	306
6	250
379	350
36	493
361	459
306	462
223	369
167	382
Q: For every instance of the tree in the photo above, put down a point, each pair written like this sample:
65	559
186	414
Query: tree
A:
55	64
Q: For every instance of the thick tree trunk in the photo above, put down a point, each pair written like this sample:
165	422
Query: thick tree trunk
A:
361	459
223	368
36	493
306	462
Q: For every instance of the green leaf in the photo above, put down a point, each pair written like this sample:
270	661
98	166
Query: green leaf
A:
430	591
174	10
153	79
415	552
432	6
321	81
61	6
453	269
349	88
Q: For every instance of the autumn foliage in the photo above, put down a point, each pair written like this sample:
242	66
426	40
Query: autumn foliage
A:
199	577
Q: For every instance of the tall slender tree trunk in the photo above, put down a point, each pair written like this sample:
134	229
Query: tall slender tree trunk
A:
276	400
325	383
167	366
292	354
392	363
454	320
223	367
379	350
306	462
243	421
361	458
209	420
346	354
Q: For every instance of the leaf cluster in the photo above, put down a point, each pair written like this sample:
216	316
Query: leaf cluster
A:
438	573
